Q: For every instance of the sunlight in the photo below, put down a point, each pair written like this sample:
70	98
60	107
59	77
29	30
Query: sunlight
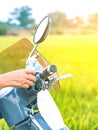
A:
41	8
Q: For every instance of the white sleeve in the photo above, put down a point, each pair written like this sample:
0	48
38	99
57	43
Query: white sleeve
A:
5	91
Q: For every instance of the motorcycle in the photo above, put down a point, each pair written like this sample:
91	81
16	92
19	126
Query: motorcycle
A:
34	108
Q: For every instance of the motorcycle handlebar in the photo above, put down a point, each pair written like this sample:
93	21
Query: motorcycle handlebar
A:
48	71
42	76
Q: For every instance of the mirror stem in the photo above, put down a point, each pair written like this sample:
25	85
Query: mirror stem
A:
34	48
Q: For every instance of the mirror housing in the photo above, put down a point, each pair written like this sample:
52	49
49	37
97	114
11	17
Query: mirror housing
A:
42	30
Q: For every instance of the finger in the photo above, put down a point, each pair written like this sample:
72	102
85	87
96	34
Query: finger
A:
30	71
26	86
21	85
28	82
31	77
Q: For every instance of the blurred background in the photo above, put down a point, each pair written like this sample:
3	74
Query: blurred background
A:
74	37
68	16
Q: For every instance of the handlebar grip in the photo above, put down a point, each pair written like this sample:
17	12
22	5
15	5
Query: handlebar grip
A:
48	71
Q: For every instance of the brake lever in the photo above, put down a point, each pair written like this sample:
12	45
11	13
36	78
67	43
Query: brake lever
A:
60	78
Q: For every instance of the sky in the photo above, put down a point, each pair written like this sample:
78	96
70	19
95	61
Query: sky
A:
41	8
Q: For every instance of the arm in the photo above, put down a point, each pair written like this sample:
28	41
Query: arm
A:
22	78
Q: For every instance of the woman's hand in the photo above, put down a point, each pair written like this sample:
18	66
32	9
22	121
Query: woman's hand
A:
22	78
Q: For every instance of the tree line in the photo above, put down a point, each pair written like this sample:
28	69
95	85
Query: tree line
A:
21	19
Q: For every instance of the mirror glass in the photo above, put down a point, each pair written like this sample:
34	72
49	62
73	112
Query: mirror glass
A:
42	30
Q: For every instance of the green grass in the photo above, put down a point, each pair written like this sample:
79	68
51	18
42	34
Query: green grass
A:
78	96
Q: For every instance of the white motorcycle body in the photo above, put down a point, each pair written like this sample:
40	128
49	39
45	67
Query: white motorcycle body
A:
49	110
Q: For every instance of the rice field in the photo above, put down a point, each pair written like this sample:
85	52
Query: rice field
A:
77	98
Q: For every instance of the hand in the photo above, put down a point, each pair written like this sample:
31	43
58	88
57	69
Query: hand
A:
22	78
